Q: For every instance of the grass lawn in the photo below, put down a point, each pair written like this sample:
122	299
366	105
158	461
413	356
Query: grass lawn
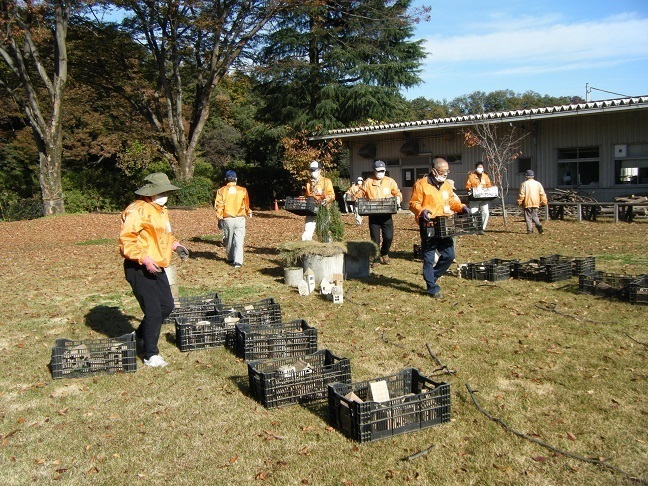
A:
564	368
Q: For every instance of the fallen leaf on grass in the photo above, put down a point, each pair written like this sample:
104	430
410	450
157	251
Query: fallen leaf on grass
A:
39	461
305	451
391	473
307	428
571	436
262	476
93	470
539	458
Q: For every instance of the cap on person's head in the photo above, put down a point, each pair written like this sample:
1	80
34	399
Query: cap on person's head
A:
157	183
230	175
529	173
314	165
379	165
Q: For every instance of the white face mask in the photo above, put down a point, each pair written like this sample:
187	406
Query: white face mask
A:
161	200
480	170
440	178
380	175
315	175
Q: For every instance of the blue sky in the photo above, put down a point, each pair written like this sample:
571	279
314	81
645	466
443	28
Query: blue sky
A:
548	46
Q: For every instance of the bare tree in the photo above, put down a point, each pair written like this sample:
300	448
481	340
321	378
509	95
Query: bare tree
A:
37	82
193	45
501	146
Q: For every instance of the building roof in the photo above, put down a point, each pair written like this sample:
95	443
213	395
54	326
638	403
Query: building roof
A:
620	104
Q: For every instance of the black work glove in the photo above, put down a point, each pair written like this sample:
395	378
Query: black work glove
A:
465	210
220	224
182	252
425	214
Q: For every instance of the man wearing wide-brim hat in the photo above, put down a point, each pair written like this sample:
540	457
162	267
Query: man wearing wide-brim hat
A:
147	245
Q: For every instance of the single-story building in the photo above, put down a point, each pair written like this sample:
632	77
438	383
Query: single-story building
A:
600	147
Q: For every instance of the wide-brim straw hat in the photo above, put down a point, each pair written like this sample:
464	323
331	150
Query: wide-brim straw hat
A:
158	182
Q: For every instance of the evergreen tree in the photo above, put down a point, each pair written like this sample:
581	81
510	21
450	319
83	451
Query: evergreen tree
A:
334	64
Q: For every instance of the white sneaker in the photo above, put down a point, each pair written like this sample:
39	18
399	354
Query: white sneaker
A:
155	361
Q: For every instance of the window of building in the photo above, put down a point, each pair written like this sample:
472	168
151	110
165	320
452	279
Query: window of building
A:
523	164
578	166
451	158
631	164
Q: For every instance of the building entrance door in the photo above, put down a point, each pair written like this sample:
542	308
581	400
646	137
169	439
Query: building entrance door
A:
409	176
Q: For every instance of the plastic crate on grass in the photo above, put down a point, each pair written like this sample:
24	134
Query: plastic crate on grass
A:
73	359
638	291
303	206
604	284
275	388
265	311
193	333
579	265
194	306
455	225
416	402
368	207
492	270
275	340
545	272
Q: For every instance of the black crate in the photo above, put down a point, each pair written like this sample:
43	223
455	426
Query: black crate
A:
265	311
275	340
193	333
455	225
194	306
73	359
303	206
638	291
385	205
547	272
417	403
607	284
274	388
492	270
579	265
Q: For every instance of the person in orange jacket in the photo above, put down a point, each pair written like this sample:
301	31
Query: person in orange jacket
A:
531	197
478	179
147	244
433	197
378	187
232	206
321	188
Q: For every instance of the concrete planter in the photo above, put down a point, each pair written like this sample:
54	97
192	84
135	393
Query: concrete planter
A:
324	266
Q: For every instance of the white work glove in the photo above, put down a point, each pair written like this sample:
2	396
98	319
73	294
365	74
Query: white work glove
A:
150	265
250	215
398	201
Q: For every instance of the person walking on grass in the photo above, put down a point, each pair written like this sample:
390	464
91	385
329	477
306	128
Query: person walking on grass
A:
378	187
146	243
433	197
232	206
350	199
321	188
532	196
478	179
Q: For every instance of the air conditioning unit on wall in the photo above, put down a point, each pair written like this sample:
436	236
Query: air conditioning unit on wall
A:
620	151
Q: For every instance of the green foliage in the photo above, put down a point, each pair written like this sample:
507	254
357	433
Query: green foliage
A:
328	224
198	191
14	208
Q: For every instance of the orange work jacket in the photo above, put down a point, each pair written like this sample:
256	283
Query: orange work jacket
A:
232	201
146	230
322	189
474	181
440	202
373	188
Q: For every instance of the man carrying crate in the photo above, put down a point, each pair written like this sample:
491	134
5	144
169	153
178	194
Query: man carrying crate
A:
378	187
321	188
478	179
433	197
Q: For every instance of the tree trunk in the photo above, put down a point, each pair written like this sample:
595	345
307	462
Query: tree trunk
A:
50	177
504	215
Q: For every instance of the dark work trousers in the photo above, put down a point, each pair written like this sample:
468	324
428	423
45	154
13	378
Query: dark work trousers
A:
432	272
382	223
153	293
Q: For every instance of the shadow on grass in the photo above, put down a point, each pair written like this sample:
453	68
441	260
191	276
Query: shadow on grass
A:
109	321
209	240
207	255
243	384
